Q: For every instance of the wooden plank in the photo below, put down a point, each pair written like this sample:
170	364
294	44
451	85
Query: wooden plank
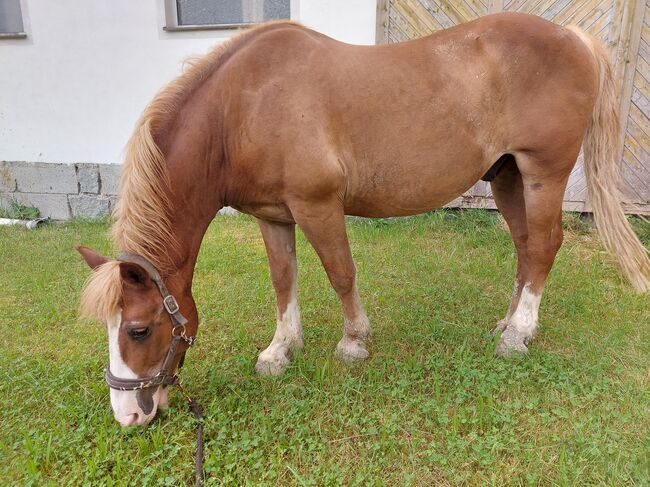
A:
439	15
425	13
382	26
642	121
403	21
495	6
635	189
637	142
581	16
551	9
476	7
644	49
641	99
420	23
520	5
577	185
399	29
457	11
594	24
565	14
629	69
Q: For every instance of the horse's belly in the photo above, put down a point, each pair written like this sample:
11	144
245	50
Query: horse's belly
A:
409	189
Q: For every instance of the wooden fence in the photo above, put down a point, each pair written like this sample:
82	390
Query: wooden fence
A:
624	25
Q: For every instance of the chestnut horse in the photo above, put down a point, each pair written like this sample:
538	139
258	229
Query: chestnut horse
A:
292	127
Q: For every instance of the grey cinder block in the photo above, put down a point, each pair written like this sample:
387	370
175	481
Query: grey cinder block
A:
88	206
109	175
7	179
40	177
88	178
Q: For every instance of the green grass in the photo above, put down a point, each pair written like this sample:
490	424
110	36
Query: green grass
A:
432	405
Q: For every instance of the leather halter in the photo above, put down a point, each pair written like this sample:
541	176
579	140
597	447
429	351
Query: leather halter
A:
165	377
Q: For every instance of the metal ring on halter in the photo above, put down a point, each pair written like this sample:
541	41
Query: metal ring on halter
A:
182	330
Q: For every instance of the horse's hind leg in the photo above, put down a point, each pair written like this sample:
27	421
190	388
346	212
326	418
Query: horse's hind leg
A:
543	190
280	242
508	191
324	226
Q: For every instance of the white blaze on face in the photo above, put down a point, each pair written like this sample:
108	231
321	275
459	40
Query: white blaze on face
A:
525	317
125	405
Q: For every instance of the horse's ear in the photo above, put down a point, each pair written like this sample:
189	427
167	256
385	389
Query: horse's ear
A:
134	274
92	258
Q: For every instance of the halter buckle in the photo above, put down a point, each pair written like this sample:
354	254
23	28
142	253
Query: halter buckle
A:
170	304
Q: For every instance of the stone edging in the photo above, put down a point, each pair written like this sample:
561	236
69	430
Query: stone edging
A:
60	191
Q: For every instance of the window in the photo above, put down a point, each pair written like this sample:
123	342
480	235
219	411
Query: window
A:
11	19
222	14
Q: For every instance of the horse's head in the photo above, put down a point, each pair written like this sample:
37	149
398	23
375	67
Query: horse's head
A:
125	297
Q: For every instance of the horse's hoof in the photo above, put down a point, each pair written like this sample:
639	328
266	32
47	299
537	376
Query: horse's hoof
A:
272	365
512	343
351	350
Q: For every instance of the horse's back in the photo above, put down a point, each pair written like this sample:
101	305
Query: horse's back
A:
403	128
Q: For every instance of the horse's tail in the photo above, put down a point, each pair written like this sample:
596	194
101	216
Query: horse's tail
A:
601	152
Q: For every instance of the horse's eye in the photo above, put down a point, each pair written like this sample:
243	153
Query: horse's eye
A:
138	334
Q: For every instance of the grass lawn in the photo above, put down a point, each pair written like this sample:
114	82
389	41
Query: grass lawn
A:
431	406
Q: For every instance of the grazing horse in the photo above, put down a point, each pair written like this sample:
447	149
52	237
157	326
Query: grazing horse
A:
292	127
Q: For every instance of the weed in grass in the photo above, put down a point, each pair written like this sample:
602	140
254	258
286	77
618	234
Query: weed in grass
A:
19	211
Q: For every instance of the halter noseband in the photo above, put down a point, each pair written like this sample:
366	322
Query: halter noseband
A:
164	377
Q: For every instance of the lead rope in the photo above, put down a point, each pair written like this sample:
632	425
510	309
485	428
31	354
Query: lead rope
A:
197	411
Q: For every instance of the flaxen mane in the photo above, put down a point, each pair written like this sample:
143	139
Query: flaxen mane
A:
142	222
102	292
142	217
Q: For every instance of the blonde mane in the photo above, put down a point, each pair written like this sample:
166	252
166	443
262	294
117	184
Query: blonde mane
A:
142	218
102	292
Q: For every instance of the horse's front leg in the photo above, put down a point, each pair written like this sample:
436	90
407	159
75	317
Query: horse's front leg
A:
280	241
324	226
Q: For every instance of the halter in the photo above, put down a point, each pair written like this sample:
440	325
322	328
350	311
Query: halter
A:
165	377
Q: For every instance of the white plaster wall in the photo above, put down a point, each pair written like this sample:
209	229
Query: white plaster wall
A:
72	91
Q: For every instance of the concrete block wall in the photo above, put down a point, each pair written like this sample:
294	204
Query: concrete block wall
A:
60	191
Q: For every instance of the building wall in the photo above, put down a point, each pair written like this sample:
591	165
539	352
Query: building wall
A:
71	92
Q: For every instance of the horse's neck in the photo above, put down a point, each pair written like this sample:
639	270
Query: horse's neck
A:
195	203
188	237
196	176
